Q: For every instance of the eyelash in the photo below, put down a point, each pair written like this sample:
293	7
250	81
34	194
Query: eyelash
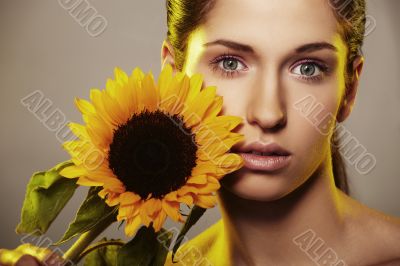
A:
321	66
231	74
215	65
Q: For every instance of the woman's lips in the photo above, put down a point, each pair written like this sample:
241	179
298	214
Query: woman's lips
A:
265	162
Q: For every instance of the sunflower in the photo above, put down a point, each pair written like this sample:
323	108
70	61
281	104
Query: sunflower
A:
151	147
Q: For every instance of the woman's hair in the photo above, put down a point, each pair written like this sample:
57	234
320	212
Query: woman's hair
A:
184	16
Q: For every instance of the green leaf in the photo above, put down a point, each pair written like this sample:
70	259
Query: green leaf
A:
141	250
47	194
164	238
195	214
92	211
105	254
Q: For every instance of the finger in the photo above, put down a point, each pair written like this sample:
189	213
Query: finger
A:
27	260
54	259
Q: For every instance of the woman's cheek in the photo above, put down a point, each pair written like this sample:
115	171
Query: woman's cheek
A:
234	96
310	122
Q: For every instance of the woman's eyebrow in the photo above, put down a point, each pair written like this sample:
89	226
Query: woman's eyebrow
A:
306	48
312	47
233	45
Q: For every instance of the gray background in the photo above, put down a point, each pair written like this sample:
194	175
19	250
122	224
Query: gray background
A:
44	48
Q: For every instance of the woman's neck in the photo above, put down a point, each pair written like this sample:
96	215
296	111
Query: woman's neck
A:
259	232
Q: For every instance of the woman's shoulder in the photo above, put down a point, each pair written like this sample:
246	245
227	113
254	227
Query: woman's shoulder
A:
373	236
197	251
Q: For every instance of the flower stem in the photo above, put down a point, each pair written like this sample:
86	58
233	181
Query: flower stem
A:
100	245
73	253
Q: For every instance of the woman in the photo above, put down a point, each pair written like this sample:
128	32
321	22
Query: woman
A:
268	59
271	61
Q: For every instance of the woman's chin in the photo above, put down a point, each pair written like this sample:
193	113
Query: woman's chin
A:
256	186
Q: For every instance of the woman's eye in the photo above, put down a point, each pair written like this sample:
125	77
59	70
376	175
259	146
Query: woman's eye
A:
227	65
230	64
310	71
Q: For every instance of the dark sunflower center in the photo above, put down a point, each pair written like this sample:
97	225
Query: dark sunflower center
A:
153	153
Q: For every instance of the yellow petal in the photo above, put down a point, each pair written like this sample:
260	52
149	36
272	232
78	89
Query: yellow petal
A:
181	96
228	122
207	188
102	172
129	198
72	171
171	209
128	211
202	168
126	96
212	179
172	93
196	109
96	138
102	193
228	163
107	105
79	130
84	106
102	129
132	225
159	220
119	100
206	201
111	88
120	76
150	93
165	79
187	199
218	147
114	185
86	181
148	208
214	109
207	134
137	74
82	152
199	179
172	196
196	82
153	206
112	199
111	108
96	98
111	183
187	189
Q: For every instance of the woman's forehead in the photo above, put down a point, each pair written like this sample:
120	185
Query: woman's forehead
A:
272	23
273	10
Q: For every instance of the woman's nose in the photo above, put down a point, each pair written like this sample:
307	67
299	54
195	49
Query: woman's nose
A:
266	105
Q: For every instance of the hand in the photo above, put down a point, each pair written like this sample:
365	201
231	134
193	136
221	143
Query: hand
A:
30	255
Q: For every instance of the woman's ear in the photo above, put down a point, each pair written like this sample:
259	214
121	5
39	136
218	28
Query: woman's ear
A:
167	55
351	90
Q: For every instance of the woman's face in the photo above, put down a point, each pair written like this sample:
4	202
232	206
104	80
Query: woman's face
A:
258	54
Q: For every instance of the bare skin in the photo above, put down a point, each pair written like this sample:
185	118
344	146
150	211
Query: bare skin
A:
265	215
362	236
